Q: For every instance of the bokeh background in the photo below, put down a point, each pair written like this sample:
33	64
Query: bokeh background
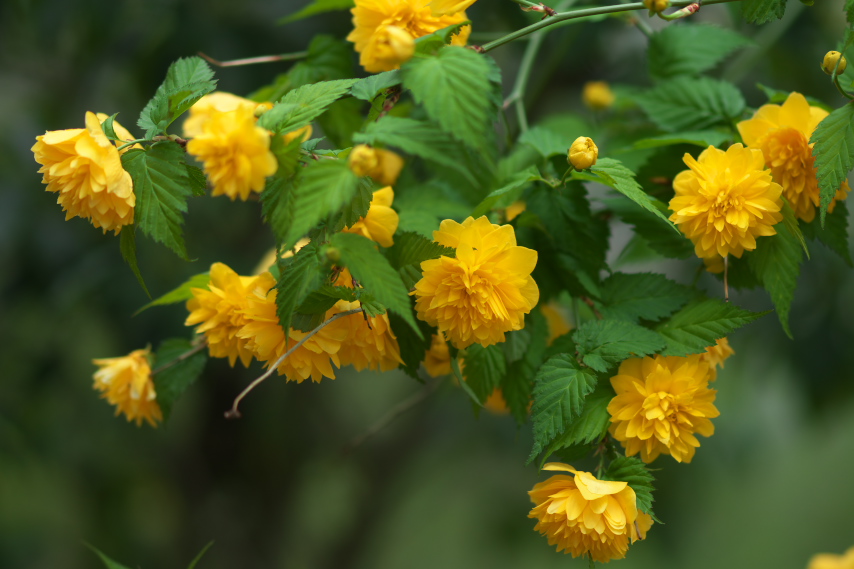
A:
438	487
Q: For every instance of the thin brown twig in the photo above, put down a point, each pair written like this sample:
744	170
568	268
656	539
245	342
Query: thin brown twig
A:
188	354
592	306
234	413
254	60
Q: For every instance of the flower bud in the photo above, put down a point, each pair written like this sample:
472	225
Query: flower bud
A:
656	6
383	166
333	254
390	46
583	153
262	108
363	160
829	63
597	95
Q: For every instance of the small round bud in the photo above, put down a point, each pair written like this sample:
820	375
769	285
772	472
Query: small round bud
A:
583	153
262	108
363	160
597	95
829	63
390	46
656	6
333	254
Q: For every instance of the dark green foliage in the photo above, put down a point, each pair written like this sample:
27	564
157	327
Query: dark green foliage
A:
700	324
174	372
690	49
687	103
603	344
484	369
298	277
833	149
187	81
180	293
632	470
643	296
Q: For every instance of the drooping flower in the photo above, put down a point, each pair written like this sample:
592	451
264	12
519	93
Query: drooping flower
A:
84	167
782	133
437	360
583	515
235	152
383	166
832	561
716	356
597	95
370	343
725	201
416	18
267	341
660	403
126	383
381	221
219	311
484	291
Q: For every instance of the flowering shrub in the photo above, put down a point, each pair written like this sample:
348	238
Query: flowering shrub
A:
422	229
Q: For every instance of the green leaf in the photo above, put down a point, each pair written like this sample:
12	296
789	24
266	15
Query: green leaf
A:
323	188
516	386
187	80
108	563
687	103
560	388
358	206
199	556
107	127
508	193
198	182
367	89
277	205
688	49
833	149
658	235
432	43
412	249
484	368
762	11
646	296
450	87
700	324
412	346
375	273
415	137
173	375
702	138
127	246
287	155
632	470
776	262
316	7
612	173
301	106
834	234
299	276
455	369
589	427
180	293
549	142
162	188
603	344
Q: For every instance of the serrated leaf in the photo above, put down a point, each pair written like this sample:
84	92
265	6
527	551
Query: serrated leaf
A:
702	138
198	182
603	344
277	206
199	555
187	81
450	87
358	207
484	369
127	246
700	324
412	346
322	188
687	49
180	293
316	7
762	11
655	232
298	277
516	344
560	388
162	188
507	193
834	234
431	43
322	299
549	142
589	427
375	273
833	149
413	249
632	470
415	137
301	106
647	296
107	126
287	155
367	89
108	563
174	372
612	173
516	386
687	103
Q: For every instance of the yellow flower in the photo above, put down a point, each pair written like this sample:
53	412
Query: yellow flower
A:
725	201
370	343
597	95
383	166
831	561
716	356
388	48
514	210
214	104
267	341
235	152
126	383
583	153
656	6
437	360
303	134
828	64
661	402
381	221
218	310
583	515
782	133
85	169
484	291
417	18
556	319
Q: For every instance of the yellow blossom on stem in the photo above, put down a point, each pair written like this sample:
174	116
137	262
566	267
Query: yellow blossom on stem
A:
831	58
213	104
417	18
388	48
484	291
381	221
782	133
383	166
597	95
583	515
370	342
660	403
716	356
219	311
126	383
85	169
831	561
235	152
725	201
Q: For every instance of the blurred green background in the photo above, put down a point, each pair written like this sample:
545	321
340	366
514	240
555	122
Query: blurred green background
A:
438	487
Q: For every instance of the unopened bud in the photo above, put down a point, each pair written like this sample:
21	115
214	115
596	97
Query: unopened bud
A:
583	153
829	63
383	166
333	254
597	95
390	46
363	160
656	6
262	108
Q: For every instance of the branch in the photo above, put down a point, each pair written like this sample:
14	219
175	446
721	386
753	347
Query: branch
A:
234	413
254	60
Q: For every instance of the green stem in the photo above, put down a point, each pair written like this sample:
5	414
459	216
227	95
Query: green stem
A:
583	13
132	142
839	88
527	4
